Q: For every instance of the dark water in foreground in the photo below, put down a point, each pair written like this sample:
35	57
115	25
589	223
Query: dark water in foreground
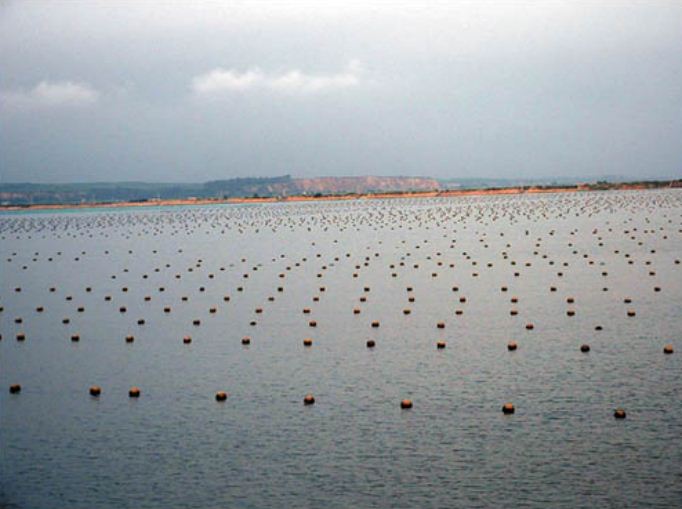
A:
177	447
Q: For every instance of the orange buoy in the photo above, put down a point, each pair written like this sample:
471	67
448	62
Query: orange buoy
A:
440	345
130	339
220	396
246	340
187	340
406	403
307	342
15	389
584	348
440	325
75	338
134	392
530	326
95	390
375	323
508	408
619	413
668	349
512	345
312	323
309	399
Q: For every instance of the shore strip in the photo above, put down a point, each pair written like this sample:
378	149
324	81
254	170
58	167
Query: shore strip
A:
346	197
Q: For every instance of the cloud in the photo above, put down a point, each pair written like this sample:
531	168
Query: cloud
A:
219	80
51	94
294	81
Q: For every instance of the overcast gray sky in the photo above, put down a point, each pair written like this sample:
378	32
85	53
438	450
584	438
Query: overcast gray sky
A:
191	91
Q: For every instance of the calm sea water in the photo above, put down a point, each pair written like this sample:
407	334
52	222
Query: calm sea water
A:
176	447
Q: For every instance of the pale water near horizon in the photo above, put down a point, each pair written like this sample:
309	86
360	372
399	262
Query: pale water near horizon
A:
591	268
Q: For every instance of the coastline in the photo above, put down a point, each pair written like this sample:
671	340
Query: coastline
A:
450	193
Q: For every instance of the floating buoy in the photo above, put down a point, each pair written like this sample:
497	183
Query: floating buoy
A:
187	340
440	345
246	340
95	390
371	343
75	338
668	349
375	323
406	403
619	413
220	396
134	392
130	339
512	345
530	326
508	408
440	325
312	323
584	348
21	336
307	342
309	399
14	389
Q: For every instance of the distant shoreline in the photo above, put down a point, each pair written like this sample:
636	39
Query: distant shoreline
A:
346	197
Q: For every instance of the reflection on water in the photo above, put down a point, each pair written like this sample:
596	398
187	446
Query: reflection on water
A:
601	269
